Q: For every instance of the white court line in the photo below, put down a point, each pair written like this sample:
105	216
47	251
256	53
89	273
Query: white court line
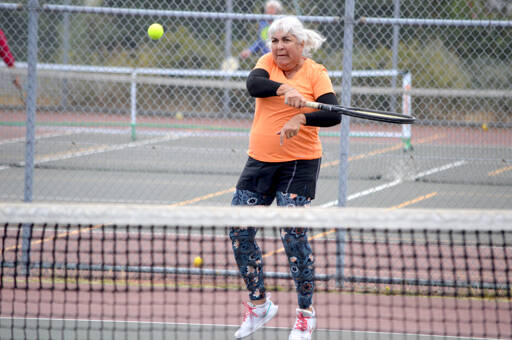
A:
101	149
117	321
439	169
22	139
97	150
396	182
163	323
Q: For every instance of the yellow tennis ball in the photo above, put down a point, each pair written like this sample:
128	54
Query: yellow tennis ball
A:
198	261
179	115
155	31
484	127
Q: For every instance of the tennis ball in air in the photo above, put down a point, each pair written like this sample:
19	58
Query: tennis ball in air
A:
484	127
198	261
179	115
155	31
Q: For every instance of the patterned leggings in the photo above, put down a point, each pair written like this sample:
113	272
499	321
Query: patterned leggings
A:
295	240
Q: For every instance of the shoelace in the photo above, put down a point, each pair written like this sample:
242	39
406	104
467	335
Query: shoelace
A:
249	311
302	322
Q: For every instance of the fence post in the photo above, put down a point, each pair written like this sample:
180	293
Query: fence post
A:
348	39
227	54
406	109
133	104
26	232
396	29
65	54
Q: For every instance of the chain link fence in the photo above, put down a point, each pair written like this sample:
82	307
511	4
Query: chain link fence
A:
123	118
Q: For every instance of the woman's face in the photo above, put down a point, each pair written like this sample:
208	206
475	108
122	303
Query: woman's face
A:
286	50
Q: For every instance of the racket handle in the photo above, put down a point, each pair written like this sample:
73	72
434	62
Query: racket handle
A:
319	106
313	105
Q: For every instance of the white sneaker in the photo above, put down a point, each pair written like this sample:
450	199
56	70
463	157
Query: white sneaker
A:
255	317
305	324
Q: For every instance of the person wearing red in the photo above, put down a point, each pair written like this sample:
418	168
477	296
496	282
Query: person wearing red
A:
8	58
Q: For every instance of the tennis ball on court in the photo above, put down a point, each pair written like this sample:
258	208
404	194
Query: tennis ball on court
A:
179	115
484	127
198	261
155	31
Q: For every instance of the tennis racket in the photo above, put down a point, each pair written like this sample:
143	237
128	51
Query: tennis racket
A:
380	116
19	89
20	93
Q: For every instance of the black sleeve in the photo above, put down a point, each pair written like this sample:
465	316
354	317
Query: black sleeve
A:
259	84
324	118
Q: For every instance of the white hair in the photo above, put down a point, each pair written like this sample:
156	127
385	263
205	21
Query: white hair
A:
290	24
276	4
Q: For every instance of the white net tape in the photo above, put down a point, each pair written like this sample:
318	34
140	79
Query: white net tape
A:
159	215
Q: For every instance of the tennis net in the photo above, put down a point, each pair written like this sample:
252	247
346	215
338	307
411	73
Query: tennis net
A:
127	272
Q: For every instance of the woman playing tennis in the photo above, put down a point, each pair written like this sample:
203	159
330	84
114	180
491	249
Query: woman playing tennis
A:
284	161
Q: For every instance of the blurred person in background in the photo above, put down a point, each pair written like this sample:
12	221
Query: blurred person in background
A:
260	47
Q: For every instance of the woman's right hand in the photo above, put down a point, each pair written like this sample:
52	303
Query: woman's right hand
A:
292	97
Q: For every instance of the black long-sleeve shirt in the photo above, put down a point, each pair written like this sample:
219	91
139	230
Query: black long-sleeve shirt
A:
260	85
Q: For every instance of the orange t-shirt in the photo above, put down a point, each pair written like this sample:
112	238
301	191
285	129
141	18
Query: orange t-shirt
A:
272	113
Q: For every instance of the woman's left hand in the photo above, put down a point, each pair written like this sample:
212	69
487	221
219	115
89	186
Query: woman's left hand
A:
291	128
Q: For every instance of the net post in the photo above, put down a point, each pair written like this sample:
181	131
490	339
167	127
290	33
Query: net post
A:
133	104
340	256
26	236
406	109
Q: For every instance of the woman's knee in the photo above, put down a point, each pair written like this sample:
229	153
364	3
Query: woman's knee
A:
250	198
285	199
